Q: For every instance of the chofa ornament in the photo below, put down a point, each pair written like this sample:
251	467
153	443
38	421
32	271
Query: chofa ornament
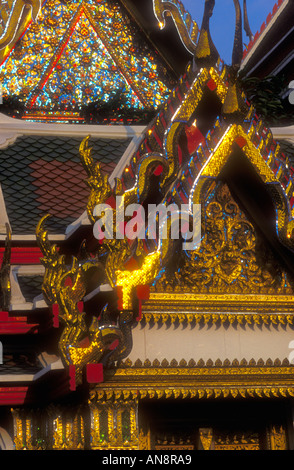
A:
20	12
69	287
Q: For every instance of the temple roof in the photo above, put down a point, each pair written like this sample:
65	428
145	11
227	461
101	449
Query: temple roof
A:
42	175
269	51
270	17
30	286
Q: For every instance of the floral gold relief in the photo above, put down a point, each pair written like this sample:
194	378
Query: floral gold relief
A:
278	439
233	257
206	438
114	421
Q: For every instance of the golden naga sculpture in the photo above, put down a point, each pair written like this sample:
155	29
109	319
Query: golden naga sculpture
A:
150	268
76	332
69	287
98	184
54	264
21	11
187	28
84	339
120	250
233	107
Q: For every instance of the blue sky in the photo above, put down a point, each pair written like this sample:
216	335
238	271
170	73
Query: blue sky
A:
223	21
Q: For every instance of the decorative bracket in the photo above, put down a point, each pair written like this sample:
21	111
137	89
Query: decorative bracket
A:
187	28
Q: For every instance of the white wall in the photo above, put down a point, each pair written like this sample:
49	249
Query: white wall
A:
212	342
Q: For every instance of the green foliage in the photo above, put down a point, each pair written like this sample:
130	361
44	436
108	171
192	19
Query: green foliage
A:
265	95
115	110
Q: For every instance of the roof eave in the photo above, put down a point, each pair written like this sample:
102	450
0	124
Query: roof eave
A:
279	15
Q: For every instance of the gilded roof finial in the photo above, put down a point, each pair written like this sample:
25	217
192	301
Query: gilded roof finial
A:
206	54
233	107
21	11
247	28
238	40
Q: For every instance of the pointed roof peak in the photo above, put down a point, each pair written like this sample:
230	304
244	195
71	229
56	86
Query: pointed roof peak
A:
206	54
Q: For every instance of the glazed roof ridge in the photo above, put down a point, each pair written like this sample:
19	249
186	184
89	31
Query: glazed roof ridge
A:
154	134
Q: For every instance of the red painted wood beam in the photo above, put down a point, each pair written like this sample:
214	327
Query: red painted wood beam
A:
13	395
23	255
10	325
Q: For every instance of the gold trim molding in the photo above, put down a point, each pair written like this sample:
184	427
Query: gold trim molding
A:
219	308
191	364
202	380
185	392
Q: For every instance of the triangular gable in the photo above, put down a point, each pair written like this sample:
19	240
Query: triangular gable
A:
270	173
91	47
234	257
74	73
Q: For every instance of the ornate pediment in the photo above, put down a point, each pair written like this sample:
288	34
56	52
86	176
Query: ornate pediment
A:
73	54
233	257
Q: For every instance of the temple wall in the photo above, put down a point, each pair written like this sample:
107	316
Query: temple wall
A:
212	342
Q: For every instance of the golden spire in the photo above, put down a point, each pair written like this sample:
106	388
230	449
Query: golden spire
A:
238	40
206	54
233	107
